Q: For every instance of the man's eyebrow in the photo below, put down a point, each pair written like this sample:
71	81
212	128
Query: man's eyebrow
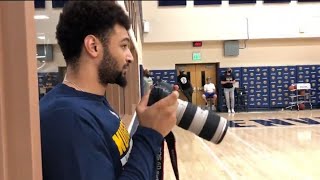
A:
125	39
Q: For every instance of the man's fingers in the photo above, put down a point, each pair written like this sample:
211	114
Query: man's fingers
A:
169	100
175	87
144	100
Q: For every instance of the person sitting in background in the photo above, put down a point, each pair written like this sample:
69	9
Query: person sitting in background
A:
209	91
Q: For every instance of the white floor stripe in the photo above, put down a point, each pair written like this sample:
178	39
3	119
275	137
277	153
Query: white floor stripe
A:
277	162
218	160
274	127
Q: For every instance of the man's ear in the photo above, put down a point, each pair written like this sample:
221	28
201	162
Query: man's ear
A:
91	45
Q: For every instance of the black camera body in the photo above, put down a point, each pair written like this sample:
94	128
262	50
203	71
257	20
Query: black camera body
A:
160	90
204	123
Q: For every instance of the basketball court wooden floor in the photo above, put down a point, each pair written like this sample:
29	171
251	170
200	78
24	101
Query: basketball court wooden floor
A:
265	145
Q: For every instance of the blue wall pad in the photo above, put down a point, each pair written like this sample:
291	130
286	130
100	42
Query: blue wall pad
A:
39	4
266	87
256	81
42	77
317	87
172	3
169	76
280	78
58	3
307	74
314	84
242	1
276	1
207	2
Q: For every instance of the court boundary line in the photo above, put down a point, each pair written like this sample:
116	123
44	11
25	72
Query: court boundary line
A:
273	127
220	163
266	112
265	156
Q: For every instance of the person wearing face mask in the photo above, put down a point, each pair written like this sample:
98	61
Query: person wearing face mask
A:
82	137
227	81
185	85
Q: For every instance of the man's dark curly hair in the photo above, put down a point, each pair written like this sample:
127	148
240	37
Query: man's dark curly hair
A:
81	18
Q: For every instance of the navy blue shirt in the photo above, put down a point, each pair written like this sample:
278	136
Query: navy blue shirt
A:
227	77
82	138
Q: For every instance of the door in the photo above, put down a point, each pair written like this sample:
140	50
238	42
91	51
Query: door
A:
203	71
198	74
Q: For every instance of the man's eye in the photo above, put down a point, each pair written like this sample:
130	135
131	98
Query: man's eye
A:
124	46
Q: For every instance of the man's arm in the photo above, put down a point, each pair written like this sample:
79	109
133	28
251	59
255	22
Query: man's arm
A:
74	148
233	79
223	80
142	160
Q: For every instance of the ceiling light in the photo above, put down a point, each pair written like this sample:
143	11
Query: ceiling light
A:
40	17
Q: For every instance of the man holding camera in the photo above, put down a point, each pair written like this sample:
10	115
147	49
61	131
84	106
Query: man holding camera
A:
81	136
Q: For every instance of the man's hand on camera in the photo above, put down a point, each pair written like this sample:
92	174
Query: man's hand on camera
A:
161	116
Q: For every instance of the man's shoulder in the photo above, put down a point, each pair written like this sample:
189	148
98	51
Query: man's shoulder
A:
59	105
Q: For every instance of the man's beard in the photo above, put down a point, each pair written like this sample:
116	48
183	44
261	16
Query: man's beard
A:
108	70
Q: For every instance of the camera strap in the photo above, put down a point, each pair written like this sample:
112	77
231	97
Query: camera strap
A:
171	144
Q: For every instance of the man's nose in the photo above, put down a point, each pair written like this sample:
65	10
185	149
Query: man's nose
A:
129	57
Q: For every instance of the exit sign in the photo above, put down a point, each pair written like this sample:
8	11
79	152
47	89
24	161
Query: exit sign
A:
197	44
196	56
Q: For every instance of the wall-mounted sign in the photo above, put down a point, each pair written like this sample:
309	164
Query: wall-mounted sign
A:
196	56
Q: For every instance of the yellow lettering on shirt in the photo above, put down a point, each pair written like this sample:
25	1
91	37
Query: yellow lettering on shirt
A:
121	139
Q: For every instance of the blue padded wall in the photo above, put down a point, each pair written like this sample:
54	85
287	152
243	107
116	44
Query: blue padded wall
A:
317	88
307	74
276	1
281	77
303	74
206	2
39	4
42	80
242	1
172	3
58	3
267	87
238	74
169	76
42	77
314	84
256	81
